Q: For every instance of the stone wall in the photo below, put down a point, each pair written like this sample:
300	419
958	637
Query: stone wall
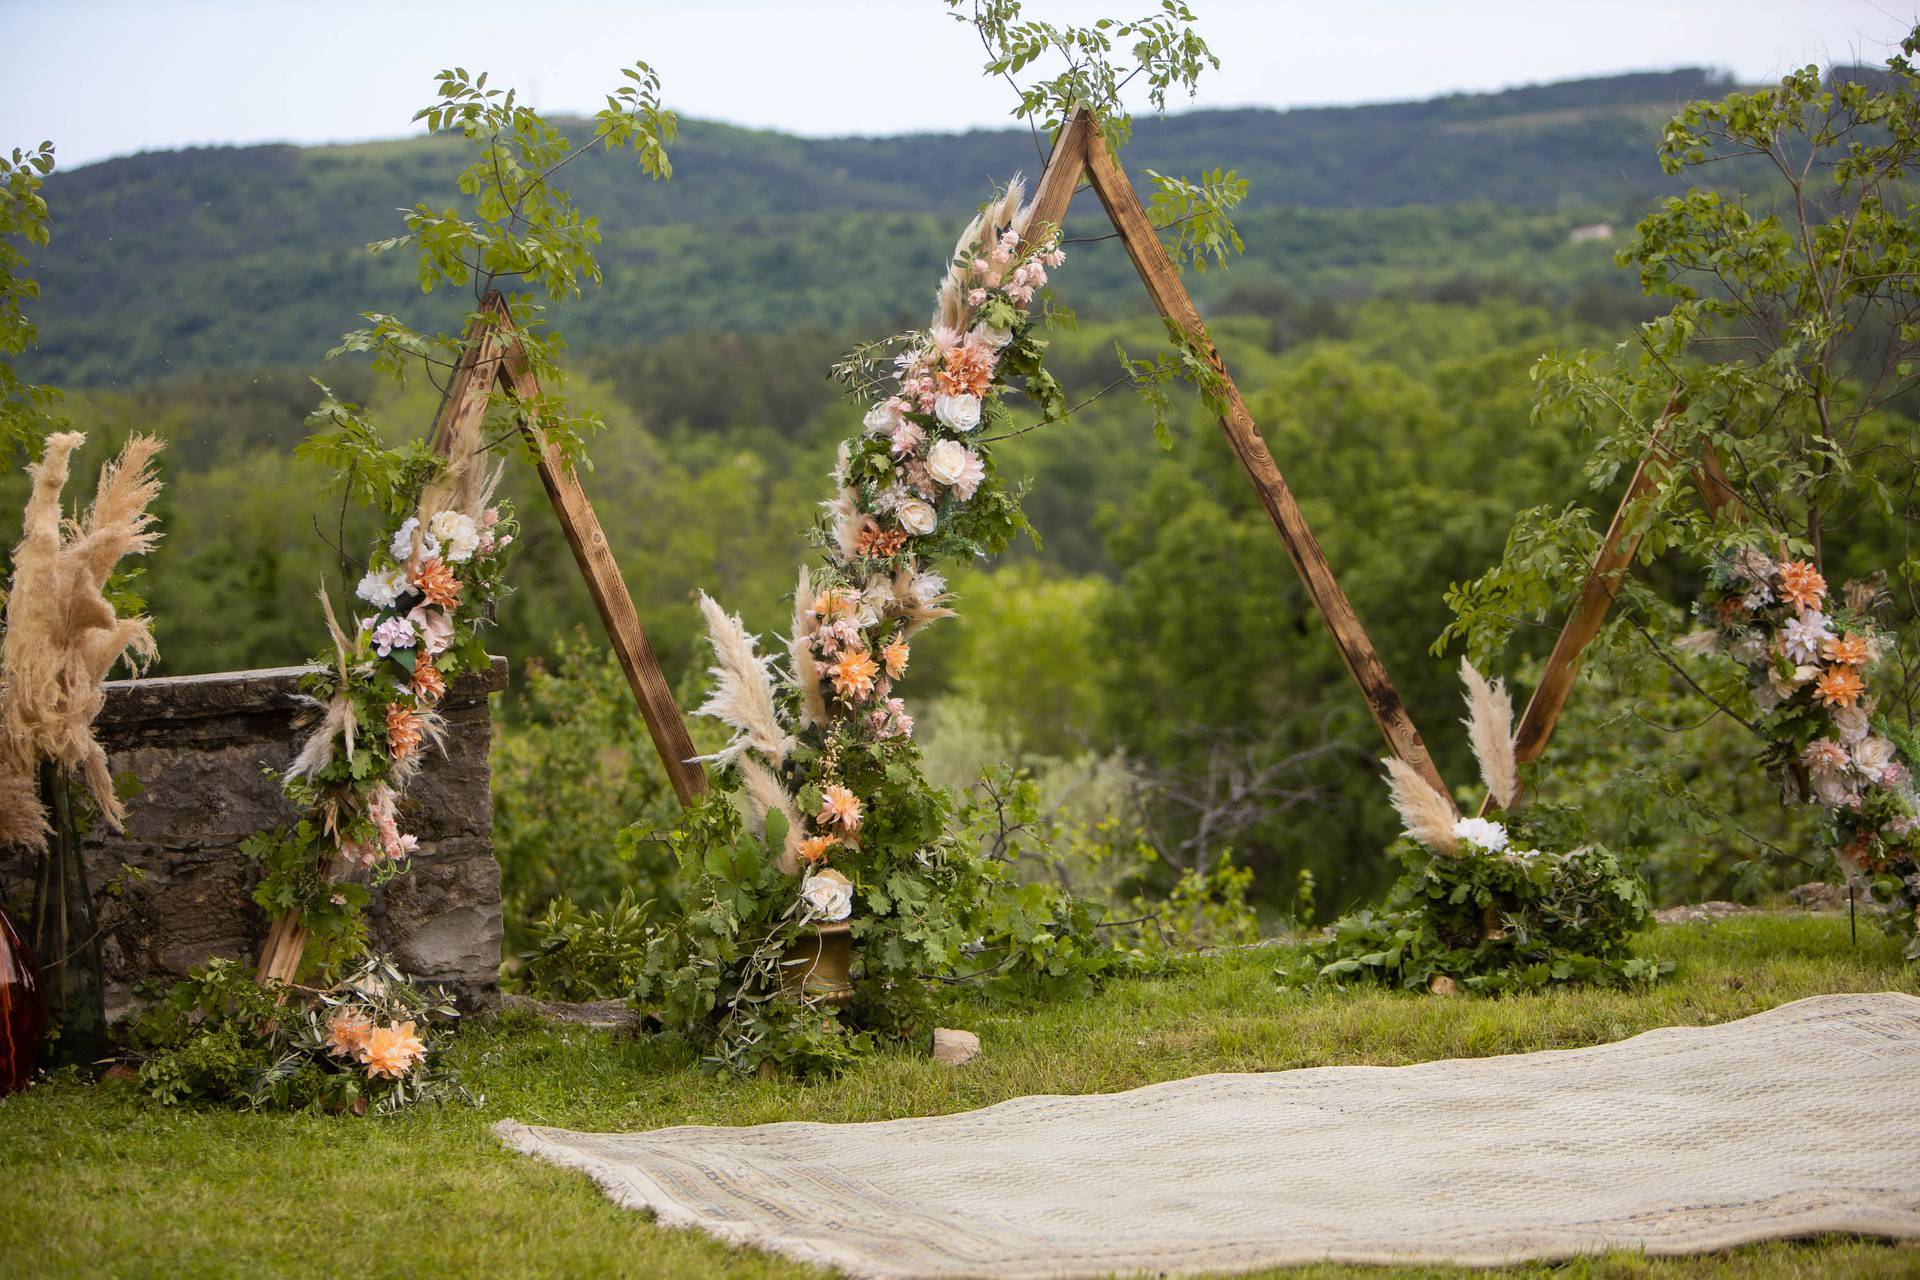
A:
200	747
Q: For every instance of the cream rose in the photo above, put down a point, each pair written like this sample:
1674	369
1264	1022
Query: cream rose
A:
458	534
1873	755
828	894
995	338
915	516
947	461
881	419
957	413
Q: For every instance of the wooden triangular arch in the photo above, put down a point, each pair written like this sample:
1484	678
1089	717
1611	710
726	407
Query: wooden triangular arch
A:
493	355
1081	149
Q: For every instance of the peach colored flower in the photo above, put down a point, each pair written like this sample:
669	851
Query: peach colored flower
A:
880	543
813	849
1840	687
967	371
853	674
347	1032
392	1051
1801	584
428	683
436	582
403	730
1850	650
839	807
895	655
834	603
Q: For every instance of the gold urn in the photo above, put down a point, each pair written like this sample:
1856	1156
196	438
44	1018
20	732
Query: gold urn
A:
819	965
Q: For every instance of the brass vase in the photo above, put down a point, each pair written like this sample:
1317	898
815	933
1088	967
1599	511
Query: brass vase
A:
819	965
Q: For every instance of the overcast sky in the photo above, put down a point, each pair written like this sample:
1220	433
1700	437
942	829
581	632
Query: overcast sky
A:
109	77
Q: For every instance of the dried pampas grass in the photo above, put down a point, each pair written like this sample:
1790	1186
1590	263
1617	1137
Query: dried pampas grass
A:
1490	728
764	794
1425	814
63	636
743	690
806	671
950	308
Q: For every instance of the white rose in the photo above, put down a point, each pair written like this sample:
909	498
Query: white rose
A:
915	516
880	419
402	545
947	461
381	587
958	413
828	894
1851	722
995	338
458	533
1873	755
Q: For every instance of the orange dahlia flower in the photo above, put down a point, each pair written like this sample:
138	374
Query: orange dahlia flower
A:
813	850
1801	584
1840	687
839	807
347	1032
428	683
403	730
880	543
853	674
895	656
834	603
967	371
436	582
392	1051
1850	650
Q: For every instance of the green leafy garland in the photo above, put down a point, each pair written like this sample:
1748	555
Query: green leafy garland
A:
822	813
1484	905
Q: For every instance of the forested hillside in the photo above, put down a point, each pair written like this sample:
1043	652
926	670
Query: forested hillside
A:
1405	267
170	263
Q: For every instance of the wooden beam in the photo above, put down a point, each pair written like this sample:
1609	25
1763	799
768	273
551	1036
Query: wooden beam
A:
1596	597
611	598
1065	165
1170	297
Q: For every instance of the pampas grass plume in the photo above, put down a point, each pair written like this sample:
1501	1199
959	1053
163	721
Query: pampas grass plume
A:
743	690
1426	815
1490	729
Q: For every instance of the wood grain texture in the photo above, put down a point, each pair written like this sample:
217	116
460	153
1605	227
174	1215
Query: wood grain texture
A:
1058	181
490	356
1170	297
611	598
1610	564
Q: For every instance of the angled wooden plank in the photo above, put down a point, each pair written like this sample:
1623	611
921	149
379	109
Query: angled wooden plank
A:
610	597
482	354
1590	610
1065	165
1170	297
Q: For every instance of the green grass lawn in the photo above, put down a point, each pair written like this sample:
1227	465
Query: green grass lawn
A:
100	1184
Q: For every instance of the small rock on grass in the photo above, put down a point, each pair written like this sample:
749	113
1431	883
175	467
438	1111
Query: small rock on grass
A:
954	1048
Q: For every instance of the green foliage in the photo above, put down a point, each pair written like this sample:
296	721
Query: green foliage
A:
586	955
1198	213
573	772
1492	923
23	219
219	1038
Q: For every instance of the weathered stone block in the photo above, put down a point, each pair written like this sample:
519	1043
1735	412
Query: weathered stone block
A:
174	889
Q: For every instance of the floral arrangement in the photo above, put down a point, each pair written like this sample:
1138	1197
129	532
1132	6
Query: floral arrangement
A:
822	814
429	589
1809	659
1488	905
358	1045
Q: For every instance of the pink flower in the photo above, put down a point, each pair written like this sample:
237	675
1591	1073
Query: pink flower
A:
1009	240
907	437
971	474
436	625
490	517
1825	756
976	296
394	633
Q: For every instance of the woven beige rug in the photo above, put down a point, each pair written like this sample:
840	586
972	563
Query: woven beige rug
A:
1795	1121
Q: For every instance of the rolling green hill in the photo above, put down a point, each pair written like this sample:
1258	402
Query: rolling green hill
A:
171	263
